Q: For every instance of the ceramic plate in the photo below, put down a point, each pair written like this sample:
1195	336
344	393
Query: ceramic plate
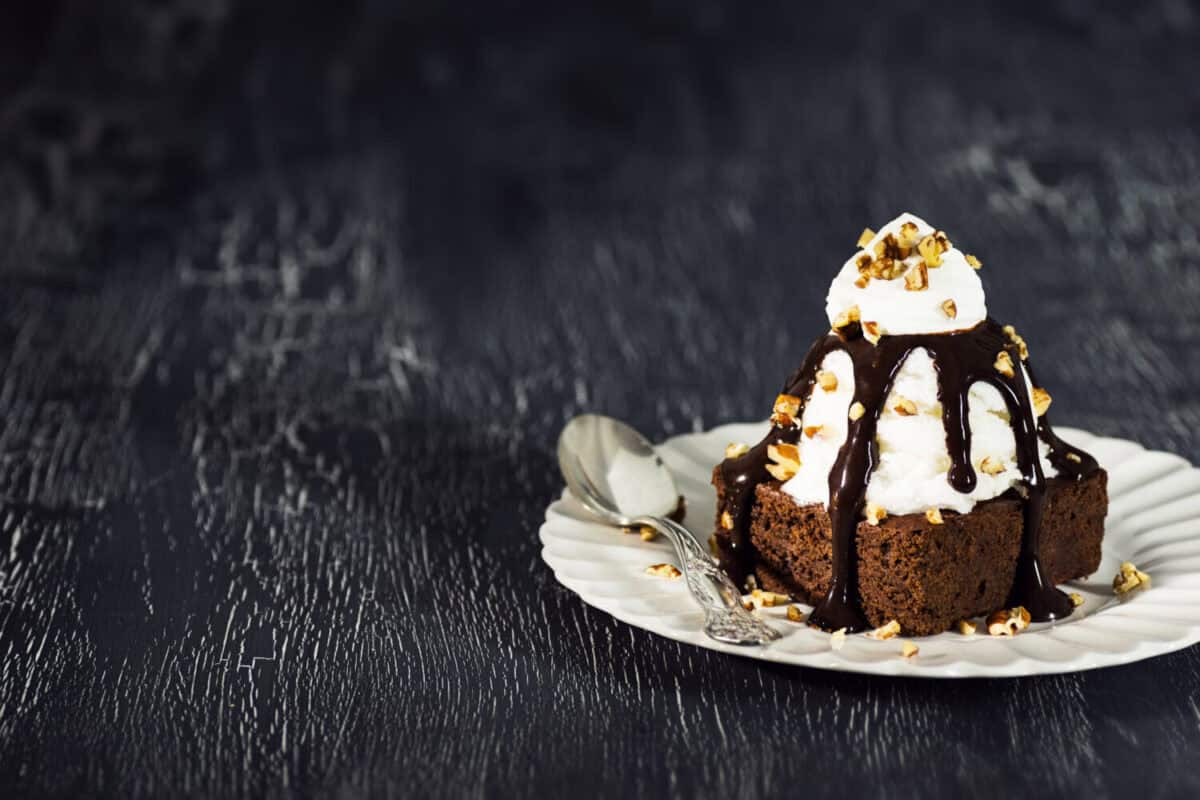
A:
1153	520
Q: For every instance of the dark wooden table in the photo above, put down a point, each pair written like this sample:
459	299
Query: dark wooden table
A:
294	302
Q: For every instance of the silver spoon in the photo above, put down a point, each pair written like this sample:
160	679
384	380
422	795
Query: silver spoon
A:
616	474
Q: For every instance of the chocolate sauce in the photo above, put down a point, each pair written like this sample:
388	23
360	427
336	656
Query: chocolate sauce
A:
960	360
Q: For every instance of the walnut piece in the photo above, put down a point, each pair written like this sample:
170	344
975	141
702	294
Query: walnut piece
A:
1018	340
857	410
760	598
786	407
1076	599
934	515
991	466
1074	458
908	235
950	309
1130	579
862	281
727	520
827	380
845	318
1004	364
786	458
813	430
931	251
837	639
865	237
872	331
736	449
905	407
917	279
889	630
875	513
908	649
668	571
973	261
794	614
1008	621
648	534
966	627
1041	401
889	248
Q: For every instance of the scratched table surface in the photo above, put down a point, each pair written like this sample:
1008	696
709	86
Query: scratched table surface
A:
294	302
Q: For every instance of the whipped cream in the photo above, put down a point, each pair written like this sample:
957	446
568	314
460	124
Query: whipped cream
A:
896	309
912	474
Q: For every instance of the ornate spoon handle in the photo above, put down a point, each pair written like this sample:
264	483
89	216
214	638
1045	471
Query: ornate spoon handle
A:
725	618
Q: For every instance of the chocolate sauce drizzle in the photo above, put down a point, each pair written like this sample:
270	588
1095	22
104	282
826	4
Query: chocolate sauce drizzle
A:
960	359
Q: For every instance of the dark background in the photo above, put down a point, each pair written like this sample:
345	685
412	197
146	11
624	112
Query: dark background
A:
294	299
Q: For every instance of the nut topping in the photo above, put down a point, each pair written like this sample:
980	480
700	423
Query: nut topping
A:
931	251
908	235
1015	338
1129	579
813	430
837	639
872	332
827	380
727	520
917	279
1004	364
887	631
760	598
786	458
786	407
991	466
668	571
736	449
848	316
856	410
1008	621
865	237
1041	401
1074	458
908	649
966	627
973	261
875	513
1076	599
934	515
862	281
794	614
905	407
950	309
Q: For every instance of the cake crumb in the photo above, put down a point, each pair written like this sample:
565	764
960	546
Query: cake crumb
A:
875	513
1076	599
887	631
966	627
950	309
973	261
934	515
865	237
1004	364
1130	579
857	410
794	614
736	449
908	649
1008	621
668	571
827	380
837	639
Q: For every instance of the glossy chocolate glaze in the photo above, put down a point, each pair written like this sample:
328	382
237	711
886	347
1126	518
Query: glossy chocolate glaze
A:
961	359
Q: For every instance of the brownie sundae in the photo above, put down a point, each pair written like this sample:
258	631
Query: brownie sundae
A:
911	473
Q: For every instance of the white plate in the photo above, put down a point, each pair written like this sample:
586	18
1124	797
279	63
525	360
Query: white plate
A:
1153	520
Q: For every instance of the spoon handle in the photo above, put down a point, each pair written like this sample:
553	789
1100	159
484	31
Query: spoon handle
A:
725	618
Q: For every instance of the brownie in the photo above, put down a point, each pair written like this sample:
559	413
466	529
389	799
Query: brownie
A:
926	576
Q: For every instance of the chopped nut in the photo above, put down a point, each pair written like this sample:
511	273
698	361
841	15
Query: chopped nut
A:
1008	621
862	281
991	466
872	331
1004	364
794	614
837	639
1076	599
908	649
727	520
950	309
736	449
931	251
934	515
908	235
889	248
856	410
887	631
648	534
760	598
751	582
917	279
813	430
973	261
875	513
1130	578
865	237
966	627
943	243
668	571
905	407
1041	401
848	316
886	268
827	380
787	406
786	458
863	262
1074	457
1015	338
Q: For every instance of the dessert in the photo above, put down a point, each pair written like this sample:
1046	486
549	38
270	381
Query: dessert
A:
911	473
